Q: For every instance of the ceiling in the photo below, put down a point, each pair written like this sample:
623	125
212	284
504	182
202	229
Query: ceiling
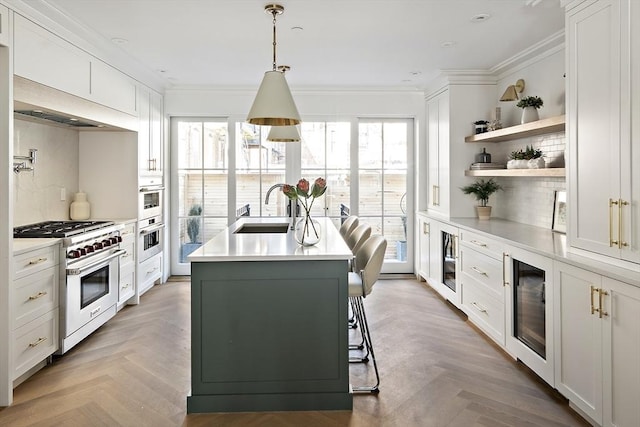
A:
327	43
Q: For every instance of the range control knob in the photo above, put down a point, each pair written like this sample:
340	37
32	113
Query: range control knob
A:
97	245
88	248
106	243
119	239
82	251
113	240
73	254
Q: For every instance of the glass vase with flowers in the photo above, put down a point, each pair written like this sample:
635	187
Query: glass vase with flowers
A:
307	231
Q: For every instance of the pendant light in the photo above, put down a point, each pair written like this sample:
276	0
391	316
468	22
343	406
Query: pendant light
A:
274	104
284	133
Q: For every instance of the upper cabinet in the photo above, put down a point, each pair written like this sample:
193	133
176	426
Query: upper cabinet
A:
43	57
150	144
603	70
46	58
450	113
4	26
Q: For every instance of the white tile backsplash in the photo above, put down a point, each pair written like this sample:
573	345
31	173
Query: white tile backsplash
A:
528	200
37	194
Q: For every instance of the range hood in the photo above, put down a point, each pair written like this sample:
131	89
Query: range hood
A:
57	118
36	102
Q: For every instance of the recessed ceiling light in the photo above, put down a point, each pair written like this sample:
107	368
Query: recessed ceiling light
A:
481	17
447	44
73	119
415	73
119	40
297	29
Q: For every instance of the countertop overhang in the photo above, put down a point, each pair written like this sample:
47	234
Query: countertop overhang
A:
231	246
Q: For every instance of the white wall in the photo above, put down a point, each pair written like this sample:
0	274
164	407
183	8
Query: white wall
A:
37	194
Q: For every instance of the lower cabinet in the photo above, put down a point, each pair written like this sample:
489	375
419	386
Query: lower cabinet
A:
127	287
597	333
149	271
423	236
444	269
34	309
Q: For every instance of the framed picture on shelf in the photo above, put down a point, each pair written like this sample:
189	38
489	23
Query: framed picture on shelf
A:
559	222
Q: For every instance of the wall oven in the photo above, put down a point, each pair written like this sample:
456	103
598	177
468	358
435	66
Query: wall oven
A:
151	238
150	201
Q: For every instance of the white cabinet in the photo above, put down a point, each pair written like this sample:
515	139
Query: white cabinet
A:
150	137
482	279
438	152
112	88
597	333
149	272
4	26
127	284
604	127
34	306
424	254
57	64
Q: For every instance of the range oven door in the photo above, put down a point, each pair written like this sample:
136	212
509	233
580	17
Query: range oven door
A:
91	290
150	201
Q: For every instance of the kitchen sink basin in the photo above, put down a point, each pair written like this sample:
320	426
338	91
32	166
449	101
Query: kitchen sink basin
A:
273	227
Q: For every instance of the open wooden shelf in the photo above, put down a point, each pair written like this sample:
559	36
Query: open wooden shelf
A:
552	172
550	125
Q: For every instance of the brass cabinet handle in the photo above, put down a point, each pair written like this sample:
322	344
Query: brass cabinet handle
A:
38	295
593	289
455	246
37	261
425	228
125	286
621	203
611	204
479	307
601	294
37	342
475	242
477	270
435	195
504	265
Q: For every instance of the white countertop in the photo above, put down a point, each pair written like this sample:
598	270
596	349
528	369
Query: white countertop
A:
544	242
231	246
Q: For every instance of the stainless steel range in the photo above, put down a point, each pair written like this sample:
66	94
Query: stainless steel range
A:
89	274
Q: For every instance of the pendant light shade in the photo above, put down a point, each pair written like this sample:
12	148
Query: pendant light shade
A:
274	104
284	134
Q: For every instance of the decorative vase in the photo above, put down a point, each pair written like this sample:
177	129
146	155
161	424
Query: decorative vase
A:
517	164
308	231
529	114
484	212
80	209
538	163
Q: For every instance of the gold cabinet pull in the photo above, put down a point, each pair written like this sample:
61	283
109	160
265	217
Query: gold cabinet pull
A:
425	228
504	265
611	204
475	242
435	195
37	342
601	294
38	295
593	308
477	270
621	243
37	261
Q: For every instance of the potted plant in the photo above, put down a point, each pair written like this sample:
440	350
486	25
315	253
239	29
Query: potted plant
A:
528	158
193	231
529	105
482	189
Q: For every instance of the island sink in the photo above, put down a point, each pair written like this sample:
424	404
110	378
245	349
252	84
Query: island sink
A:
264	227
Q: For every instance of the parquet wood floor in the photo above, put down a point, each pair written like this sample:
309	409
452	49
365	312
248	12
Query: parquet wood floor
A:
436	370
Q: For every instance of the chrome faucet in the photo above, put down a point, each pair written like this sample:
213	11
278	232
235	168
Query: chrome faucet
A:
293	204
273	187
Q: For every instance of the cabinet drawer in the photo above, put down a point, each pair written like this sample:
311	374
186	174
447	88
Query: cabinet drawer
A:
36	260
486	270
482	244
148	272
34	342
127	287
35	295
130	254
483	309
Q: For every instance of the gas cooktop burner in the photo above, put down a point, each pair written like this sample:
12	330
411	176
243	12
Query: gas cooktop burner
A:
58	228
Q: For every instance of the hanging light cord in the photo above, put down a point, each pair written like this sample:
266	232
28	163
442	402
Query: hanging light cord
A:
274	13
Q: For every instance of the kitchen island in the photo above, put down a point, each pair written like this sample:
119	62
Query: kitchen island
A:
269	320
